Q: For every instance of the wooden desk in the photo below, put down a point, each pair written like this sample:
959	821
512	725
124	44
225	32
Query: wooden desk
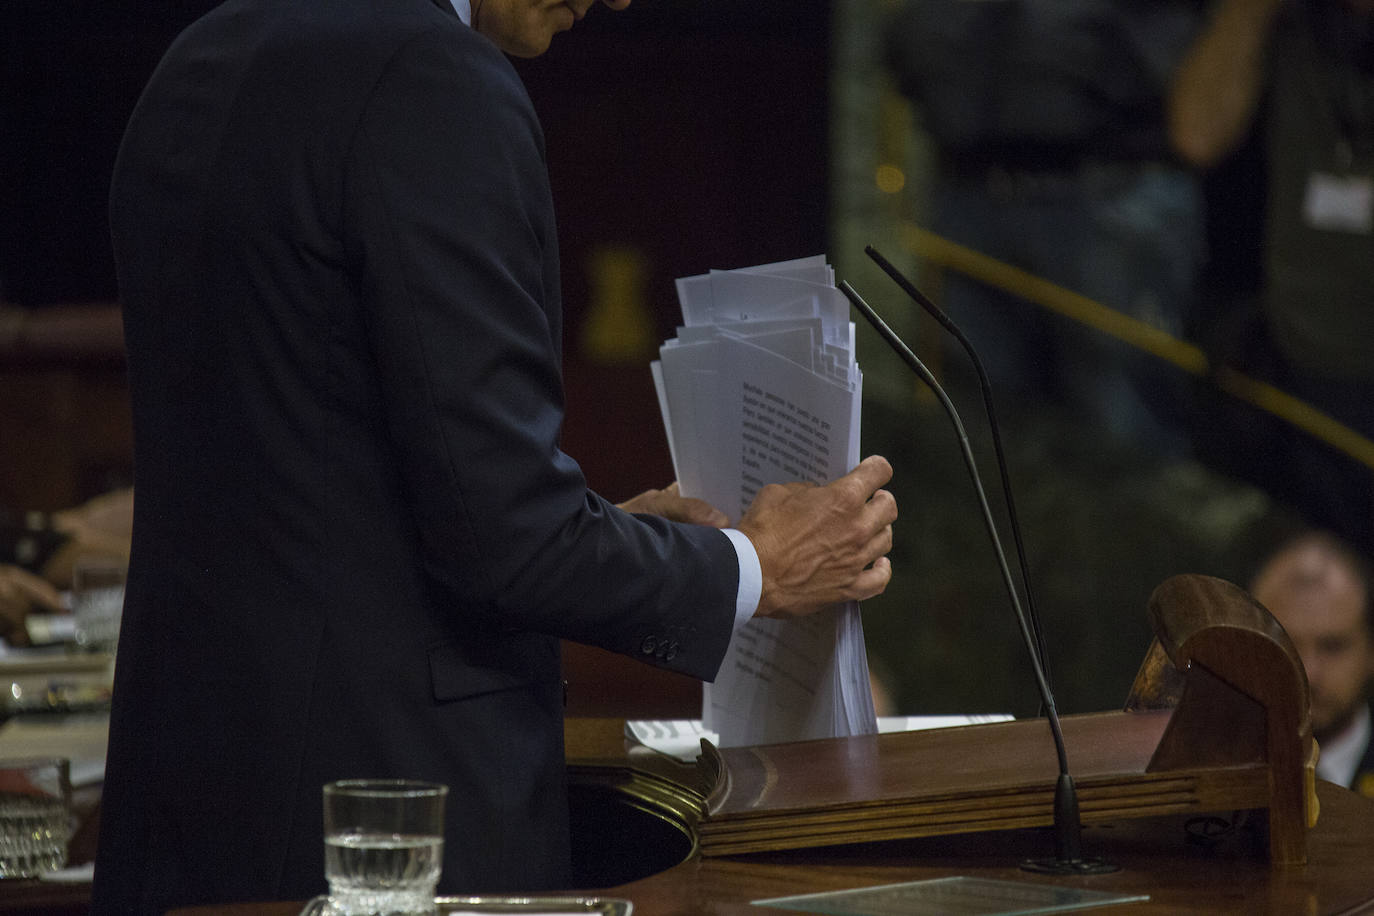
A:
1230	875
20	897
1155	858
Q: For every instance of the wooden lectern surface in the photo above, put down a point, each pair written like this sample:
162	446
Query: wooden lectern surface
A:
1224	876
1155	855
957	780
891	767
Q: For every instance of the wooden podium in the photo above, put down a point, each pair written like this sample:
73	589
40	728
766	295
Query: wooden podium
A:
1217	721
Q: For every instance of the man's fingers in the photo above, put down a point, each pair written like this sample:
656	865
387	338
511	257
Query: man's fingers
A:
881	509
880	545
861	483
670	504
871	473
872	581
821	545
700	512
19	583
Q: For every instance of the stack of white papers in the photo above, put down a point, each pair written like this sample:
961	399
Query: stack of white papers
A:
760	386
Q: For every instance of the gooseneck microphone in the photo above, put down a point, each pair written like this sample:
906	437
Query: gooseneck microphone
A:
986	389
1068	857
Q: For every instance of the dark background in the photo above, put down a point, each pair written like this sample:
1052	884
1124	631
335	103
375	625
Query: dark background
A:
690	133
686	136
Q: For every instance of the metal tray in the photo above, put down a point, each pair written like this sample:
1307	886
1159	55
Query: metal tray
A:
544	906
529	906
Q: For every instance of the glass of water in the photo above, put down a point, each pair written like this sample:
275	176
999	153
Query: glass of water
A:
383	846
98	602
35	799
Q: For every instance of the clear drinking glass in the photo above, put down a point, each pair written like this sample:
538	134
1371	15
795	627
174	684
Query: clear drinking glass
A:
35	801
98	602
383	847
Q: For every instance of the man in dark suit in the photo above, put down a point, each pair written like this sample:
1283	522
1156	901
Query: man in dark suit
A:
356	541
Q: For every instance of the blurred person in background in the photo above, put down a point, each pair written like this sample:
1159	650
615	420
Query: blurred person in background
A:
23	593
1319	591
37	555
1296	79
1047	118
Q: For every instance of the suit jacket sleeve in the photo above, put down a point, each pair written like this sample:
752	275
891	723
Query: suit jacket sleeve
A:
453	238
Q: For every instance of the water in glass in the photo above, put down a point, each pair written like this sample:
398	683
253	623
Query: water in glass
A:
382	874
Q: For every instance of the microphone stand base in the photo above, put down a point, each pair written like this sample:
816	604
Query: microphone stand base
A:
1086	866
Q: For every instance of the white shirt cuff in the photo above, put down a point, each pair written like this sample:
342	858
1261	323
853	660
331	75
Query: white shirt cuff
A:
750	577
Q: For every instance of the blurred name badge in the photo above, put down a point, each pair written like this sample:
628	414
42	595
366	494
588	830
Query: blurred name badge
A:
1339	203
35	797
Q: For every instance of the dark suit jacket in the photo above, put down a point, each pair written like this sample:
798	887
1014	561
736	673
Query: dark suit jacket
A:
355	537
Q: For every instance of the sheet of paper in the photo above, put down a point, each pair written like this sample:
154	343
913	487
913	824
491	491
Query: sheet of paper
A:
681	738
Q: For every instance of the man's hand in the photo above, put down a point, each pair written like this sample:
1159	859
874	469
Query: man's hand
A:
23	593
819	546
102	527
674	507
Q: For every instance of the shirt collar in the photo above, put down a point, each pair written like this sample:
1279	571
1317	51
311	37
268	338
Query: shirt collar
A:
464	10
1340	756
